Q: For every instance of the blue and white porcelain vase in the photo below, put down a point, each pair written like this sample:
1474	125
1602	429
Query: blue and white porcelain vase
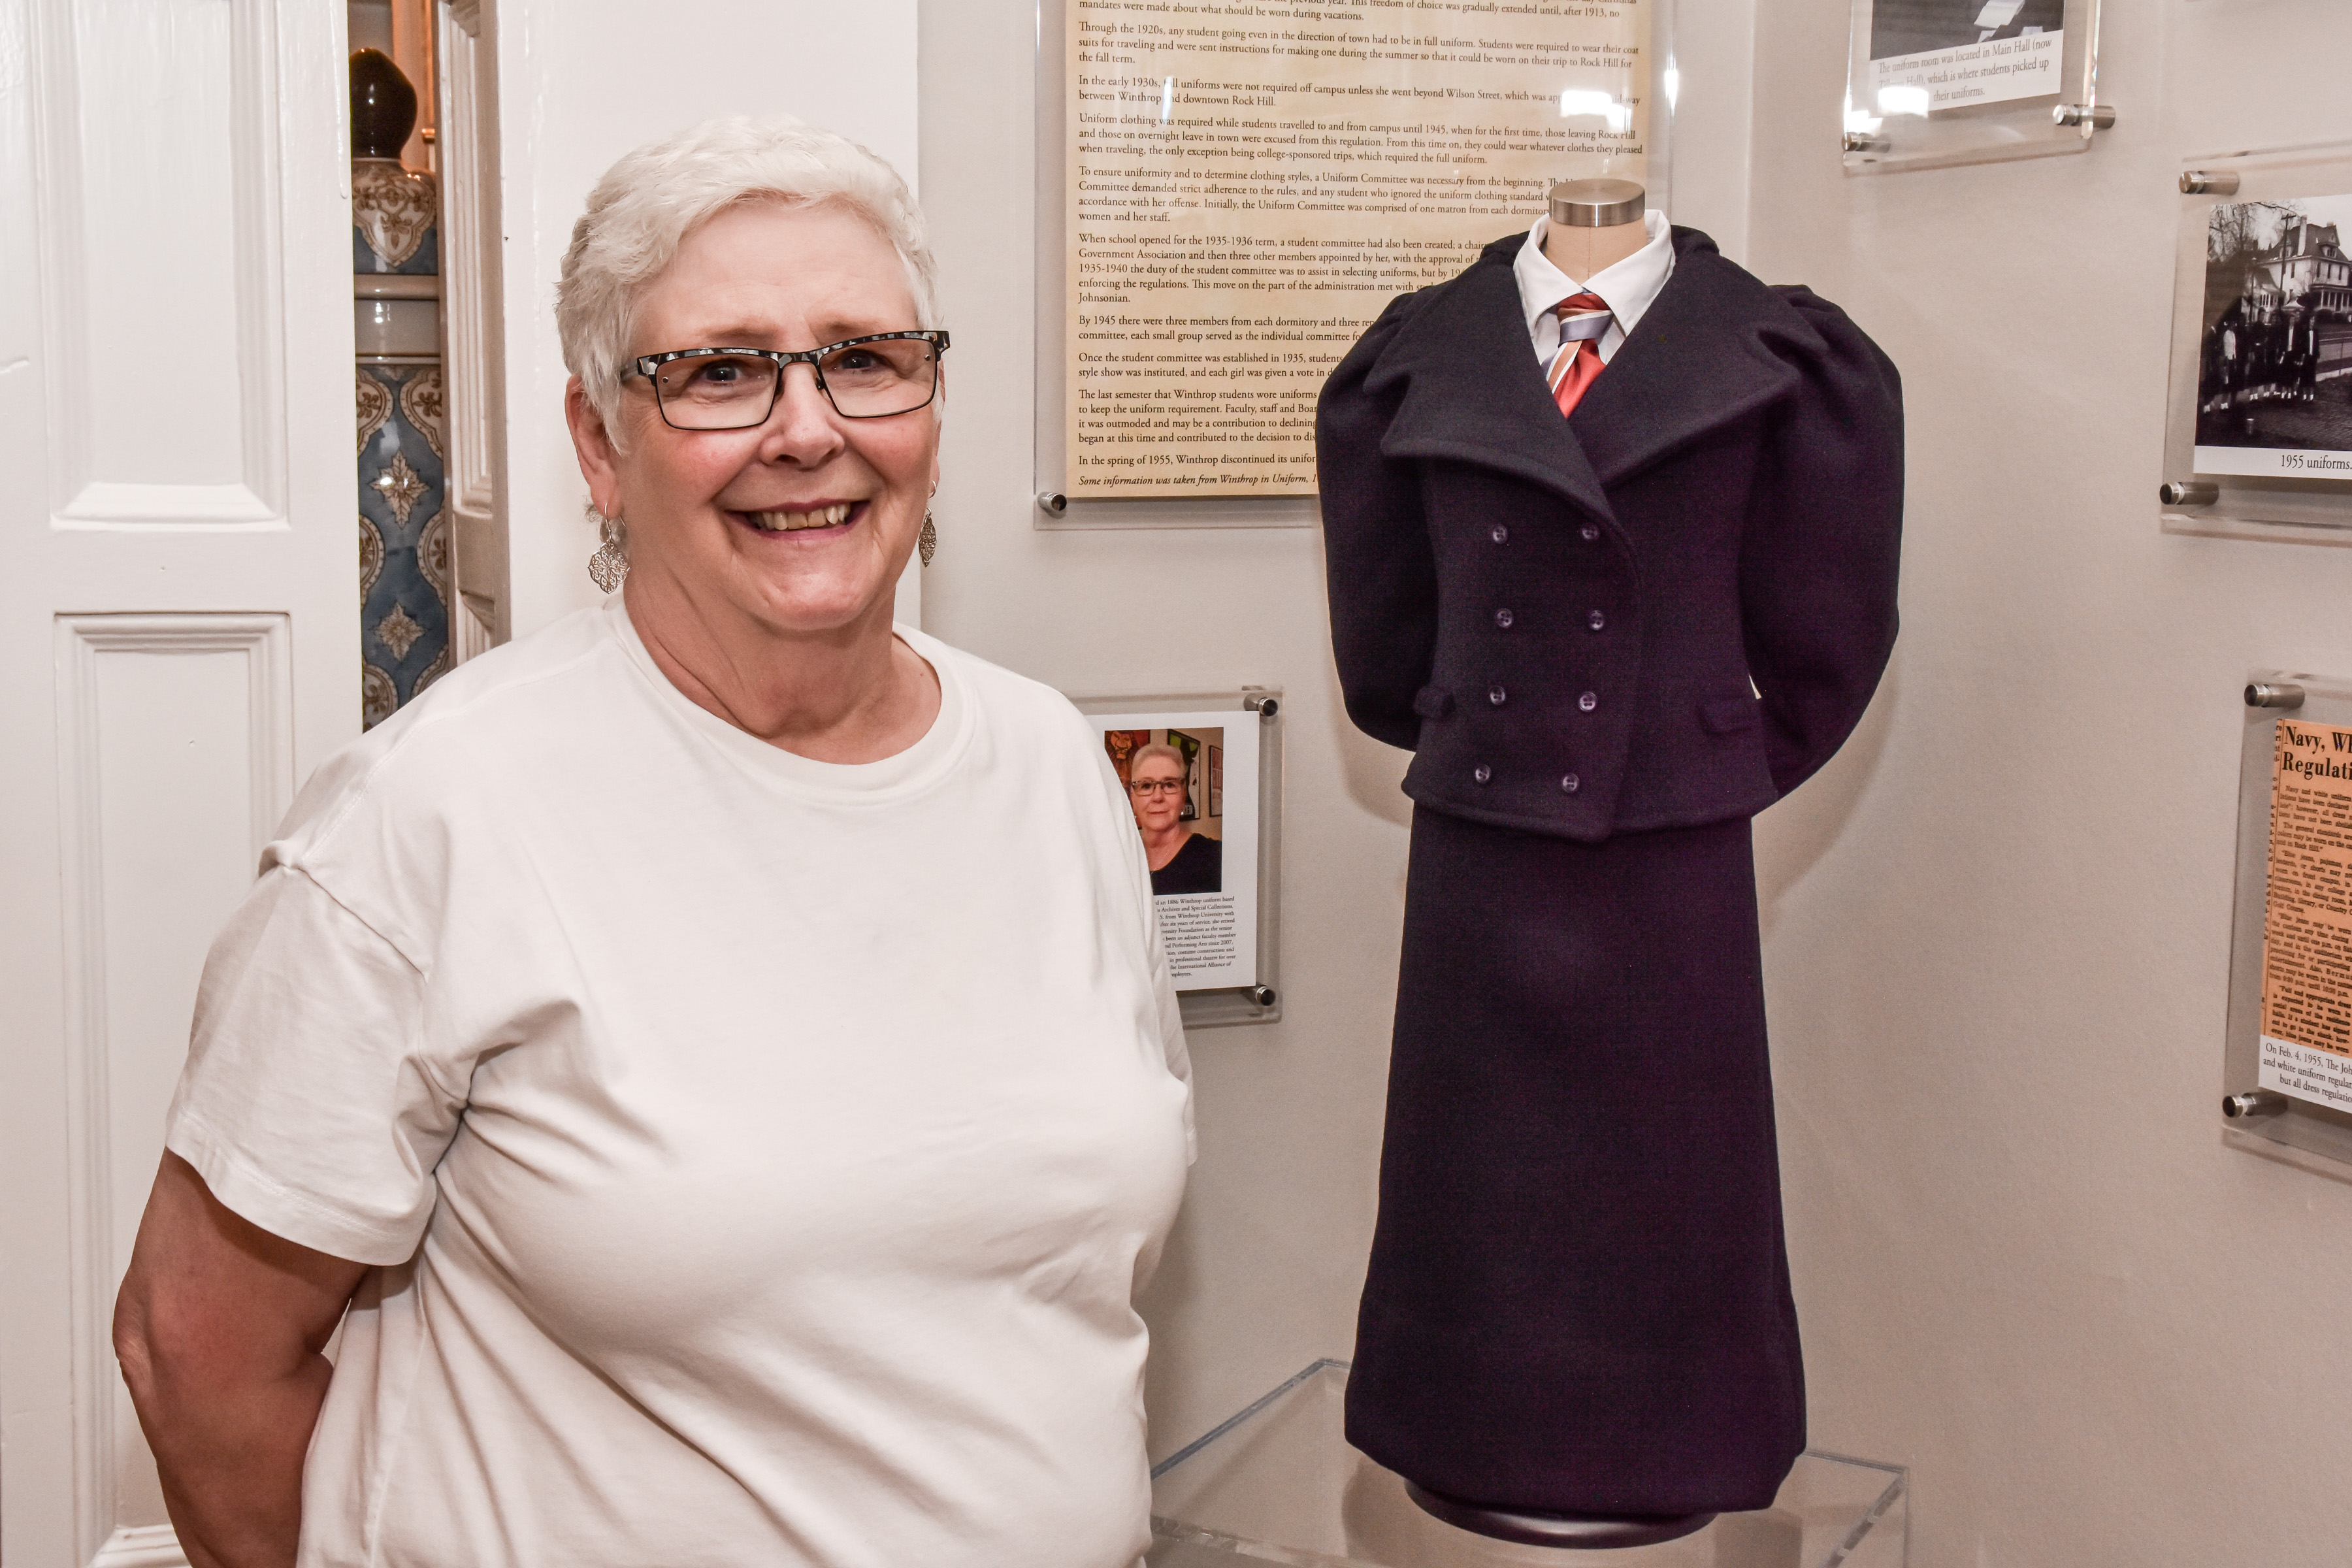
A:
406	584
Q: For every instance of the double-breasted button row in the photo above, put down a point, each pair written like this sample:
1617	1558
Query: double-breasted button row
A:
1594	620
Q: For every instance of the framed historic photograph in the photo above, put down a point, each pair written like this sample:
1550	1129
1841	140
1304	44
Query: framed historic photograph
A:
1216	781
2275	355
1967	53
2258	419
1931	83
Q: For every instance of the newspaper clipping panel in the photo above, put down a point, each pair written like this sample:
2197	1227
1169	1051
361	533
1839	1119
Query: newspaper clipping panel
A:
2306	1043
1247	185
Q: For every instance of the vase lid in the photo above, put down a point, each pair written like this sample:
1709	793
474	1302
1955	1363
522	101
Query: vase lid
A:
384	105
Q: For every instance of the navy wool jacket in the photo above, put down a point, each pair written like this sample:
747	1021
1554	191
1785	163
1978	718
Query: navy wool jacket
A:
1569	621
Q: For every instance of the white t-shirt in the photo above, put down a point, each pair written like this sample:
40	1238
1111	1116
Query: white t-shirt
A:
762	1154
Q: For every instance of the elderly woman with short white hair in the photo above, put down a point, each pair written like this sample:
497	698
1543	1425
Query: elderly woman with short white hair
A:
712	1058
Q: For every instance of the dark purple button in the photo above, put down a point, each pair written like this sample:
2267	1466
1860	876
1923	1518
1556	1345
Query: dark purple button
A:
1495	694
1499	535
1591	531
1589	701
1503	619
1569	784
1482	773
1596	620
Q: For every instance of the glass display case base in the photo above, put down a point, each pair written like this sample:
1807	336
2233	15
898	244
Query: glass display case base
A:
1278	1483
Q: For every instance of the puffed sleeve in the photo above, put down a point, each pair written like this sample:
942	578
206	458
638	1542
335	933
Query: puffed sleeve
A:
1381	575
1819	556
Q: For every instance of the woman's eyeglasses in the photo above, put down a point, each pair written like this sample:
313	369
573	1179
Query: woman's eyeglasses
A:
1156	786
871	377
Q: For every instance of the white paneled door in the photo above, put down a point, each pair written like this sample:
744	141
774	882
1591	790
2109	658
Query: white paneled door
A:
179	639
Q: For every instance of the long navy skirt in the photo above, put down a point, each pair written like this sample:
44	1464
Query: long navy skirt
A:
1579	1294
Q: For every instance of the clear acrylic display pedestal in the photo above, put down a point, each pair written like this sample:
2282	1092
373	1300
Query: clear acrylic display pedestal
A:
1278	1483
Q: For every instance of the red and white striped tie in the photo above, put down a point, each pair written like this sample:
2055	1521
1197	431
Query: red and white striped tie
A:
1582	319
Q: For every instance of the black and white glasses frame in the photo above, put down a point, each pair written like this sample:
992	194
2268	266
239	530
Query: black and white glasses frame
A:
649	366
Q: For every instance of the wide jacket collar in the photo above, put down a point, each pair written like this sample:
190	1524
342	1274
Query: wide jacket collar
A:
1715	346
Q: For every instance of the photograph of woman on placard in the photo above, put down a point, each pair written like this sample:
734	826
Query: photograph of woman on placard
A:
1180	841
1199	839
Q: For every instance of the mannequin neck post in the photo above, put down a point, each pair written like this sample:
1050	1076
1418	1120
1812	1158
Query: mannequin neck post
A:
1595	225
1584	253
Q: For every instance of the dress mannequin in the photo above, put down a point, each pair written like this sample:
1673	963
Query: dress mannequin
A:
1595	224
1610	638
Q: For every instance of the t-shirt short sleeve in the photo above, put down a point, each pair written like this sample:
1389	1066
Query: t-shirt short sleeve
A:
310	1104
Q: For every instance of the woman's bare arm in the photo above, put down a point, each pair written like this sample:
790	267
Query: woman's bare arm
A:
218	1328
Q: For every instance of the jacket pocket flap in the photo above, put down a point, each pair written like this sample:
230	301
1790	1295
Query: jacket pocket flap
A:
1726	715
1433	702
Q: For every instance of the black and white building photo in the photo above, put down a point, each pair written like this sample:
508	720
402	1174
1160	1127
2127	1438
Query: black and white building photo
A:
2277	343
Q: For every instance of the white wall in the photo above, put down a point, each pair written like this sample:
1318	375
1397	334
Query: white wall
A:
580	83
1714	51
1997	927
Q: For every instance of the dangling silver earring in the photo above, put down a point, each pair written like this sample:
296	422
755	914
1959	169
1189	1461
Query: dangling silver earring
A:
609	567
927	544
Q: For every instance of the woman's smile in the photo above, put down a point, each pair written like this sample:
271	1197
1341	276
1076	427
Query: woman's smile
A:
830	519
